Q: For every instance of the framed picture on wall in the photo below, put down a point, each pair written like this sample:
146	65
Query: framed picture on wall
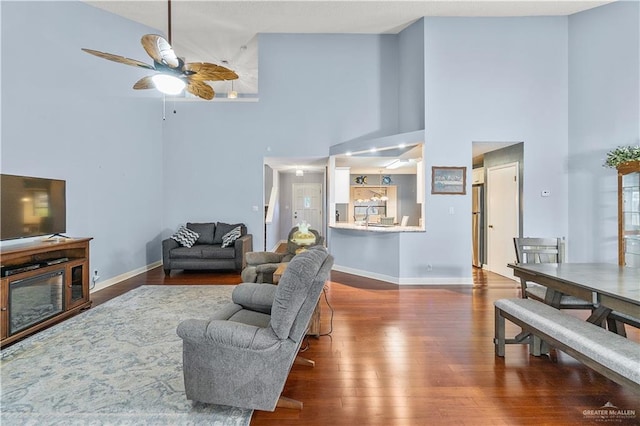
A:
448	180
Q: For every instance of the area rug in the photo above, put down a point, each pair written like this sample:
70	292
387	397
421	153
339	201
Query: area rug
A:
119	363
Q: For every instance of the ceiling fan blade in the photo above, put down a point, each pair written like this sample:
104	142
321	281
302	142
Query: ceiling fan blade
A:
204	71
200	89
160	50
119	59
144	83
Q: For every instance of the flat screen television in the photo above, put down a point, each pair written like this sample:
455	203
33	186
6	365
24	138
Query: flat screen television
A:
31	206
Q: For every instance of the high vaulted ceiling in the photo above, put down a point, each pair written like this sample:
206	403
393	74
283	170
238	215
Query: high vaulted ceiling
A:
225	32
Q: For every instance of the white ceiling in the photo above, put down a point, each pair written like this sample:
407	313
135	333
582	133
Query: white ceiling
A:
218	31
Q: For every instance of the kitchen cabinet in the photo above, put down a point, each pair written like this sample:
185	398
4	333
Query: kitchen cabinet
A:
477	176
342	185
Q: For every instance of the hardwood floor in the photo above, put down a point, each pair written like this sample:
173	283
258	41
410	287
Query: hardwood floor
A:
423	355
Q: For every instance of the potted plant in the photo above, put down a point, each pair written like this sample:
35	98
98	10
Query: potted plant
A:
622	155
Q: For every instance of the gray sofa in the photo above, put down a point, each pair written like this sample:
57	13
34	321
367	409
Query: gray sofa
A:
207	253
242	355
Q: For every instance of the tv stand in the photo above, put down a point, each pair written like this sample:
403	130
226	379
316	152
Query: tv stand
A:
62	266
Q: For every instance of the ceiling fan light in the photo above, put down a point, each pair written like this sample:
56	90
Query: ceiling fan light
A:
168	84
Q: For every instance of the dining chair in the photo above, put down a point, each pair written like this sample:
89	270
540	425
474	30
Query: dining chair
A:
544	250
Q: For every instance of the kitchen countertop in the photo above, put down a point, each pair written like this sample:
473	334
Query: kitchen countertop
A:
376	227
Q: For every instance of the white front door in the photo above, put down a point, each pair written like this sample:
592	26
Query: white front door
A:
502	217
307	204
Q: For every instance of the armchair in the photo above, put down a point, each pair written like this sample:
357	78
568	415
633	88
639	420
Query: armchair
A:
242	355
262	264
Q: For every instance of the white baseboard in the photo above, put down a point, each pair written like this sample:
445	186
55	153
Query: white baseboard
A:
466	281
115	280
278	245
367	274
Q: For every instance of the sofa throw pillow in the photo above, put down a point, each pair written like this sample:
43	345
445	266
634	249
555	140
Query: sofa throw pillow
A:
223	229
205	230
230	237
185	236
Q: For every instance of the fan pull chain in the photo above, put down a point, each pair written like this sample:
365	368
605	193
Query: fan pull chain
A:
164	107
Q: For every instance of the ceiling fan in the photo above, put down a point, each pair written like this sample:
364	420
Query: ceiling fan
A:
173	74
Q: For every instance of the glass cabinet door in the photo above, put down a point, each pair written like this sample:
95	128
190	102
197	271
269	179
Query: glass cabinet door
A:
629	206
77	290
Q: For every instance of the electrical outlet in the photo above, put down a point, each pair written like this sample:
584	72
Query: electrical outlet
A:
429	267
95	277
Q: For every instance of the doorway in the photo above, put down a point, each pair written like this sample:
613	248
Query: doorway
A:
294	190
307	205
495	154
503	201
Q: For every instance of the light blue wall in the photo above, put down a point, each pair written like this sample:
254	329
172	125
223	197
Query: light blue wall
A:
73	116
500	80
604	112
133	177
315	91
372	254
411	84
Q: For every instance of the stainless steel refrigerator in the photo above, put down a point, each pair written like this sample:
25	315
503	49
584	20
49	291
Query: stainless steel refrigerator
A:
477	224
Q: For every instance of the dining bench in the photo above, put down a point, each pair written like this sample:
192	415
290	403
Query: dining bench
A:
611	355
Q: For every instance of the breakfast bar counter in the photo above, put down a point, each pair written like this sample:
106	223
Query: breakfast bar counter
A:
376	227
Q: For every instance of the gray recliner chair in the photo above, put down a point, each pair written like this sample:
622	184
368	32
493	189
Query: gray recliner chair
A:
242	355
262	264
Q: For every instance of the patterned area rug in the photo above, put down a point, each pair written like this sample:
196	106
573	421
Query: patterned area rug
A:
119	363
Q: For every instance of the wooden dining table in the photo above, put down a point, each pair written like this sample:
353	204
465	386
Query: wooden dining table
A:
610	287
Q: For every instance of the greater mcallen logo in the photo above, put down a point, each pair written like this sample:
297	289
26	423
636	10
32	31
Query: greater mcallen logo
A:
609	413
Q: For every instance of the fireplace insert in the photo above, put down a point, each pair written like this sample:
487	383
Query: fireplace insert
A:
33	300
